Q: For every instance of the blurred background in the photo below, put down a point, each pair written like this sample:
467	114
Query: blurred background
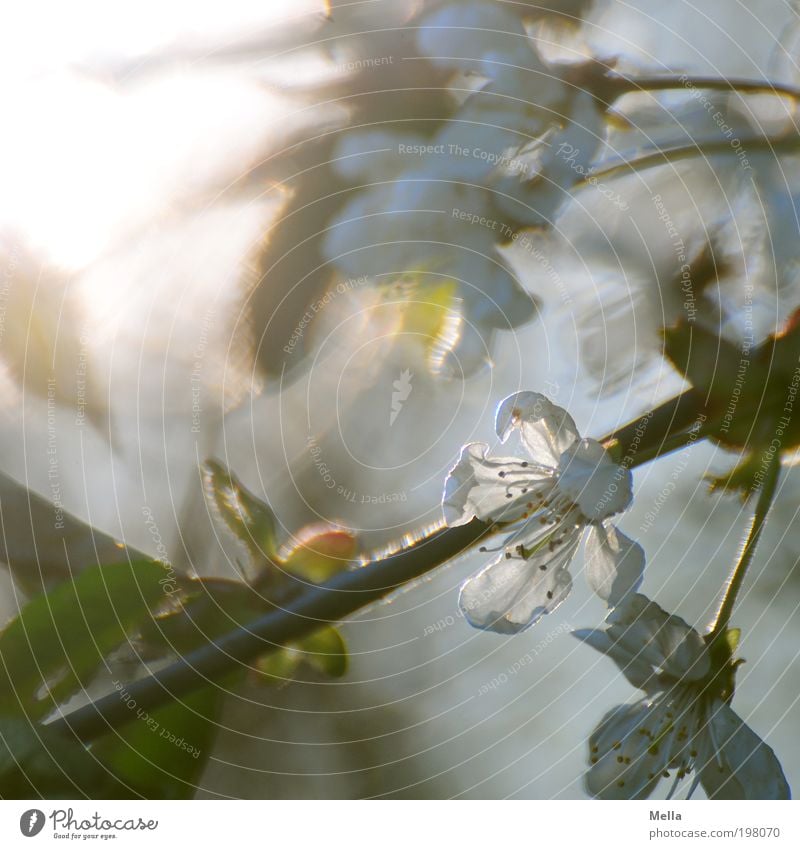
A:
320	242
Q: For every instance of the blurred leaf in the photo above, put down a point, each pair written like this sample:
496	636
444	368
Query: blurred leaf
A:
248	518
750	392
317	551
36	762
320	551
732	638
434	313
325	651
278	667
59	640
742	479
162	753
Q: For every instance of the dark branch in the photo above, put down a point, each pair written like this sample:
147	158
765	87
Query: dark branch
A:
335	600
330	602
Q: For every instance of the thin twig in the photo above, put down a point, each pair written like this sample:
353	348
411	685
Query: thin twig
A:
665	156
330	602
768	486
742	86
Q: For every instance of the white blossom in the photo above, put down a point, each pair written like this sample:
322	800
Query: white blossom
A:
445	205
684	723
568	484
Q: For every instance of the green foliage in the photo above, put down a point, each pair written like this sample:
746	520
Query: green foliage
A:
56	646
36	762
750	391
325	650
248	518
163	753
59	641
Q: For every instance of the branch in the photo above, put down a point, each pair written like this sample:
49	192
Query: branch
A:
652	429
344	594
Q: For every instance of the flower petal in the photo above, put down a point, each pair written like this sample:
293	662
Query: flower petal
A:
614	563
512	593
593	481
737	763
625	763
638	672
491	488
546	429
662	640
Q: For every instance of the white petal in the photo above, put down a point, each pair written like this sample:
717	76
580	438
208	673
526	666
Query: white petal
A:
479	486
588	477
512	593
546	429
638	672
459	33
663	641
626	764
736	763
614	563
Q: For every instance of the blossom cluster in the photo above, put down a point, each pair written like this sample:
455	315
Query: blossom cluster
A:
564	489
498	158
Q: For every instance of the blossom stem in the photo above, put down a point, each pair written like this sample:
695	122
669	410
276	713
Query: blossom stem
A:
663	82
678	153
771	466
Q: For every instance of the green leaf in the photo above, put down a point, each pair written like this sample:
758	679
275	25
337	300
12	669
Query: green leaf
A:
326	651
732	638
162	753
319	552
250	520
36	762
58	641
279	666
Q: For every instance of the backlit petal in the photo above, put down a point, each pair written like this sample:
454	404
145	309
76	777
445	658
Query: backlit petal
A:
491	488
589	478
546	429
512	593
614	563
736	763
662	640
625	762
638	672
